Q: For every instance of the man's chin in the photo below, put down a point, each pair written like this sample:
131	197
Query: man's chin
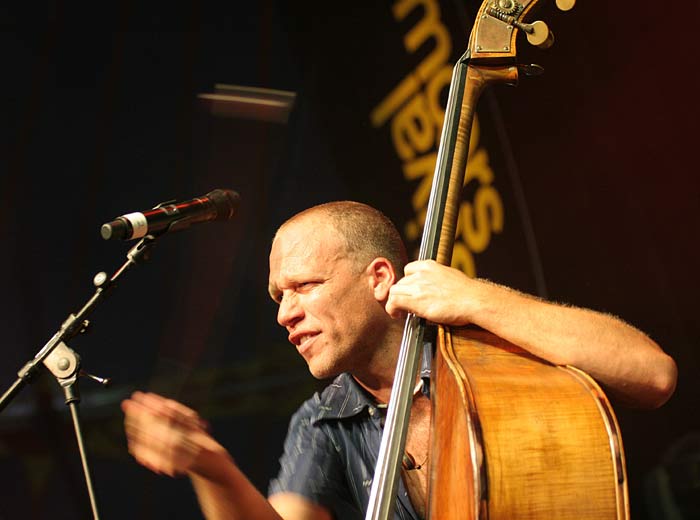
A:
322	372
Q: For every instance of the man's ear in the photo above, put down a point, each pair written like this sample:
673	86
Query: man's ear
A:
381	276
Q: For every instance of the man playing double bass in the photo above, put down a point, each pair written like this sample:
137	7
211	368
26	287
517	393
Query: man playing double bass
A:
339	275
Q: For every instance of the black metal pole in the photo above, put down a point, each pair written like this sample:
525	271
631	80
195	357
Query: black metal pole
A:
70	389
77	323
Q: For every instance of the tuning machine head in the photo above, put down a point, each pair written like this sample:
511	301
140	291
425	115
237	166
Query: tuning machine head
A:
566	5
494	35
539	34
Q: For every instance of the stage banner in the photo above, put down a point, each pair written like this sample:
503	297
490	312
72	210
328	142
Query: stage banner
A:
377	76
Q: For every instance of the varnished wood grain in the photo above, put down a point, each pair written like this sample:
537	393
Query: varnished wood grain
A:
551	444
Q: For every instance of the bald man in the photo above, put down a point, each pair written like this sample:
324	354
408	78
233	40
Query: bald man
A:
339	273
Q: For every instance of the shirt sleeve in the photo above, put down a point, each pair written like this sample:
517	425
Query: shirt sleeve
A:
311	465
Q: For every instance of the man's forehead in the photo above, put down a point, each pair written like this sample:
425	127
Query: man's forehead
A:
303	234
306	244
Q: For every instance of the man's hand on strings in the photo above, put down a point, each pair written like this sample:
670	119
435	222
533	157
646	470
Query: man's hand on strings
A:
433	291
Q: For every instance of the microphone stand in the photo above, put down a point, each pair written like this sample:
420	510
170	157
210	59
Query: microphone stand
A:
64	363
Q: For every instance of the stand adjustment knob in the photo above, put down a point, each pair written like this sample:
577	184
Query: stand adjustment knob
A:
104	381
100	279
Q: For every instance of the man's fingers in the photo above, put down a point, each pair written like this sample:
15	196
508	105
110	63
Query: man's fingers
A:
417	266
156	405
153	460
159	444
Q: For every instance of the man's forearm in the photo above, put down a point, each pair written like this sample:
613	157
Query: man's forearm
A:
225	493
619	356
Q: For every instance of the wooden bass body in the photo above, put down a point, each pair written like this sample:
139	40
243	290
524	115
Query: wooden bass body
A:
530	440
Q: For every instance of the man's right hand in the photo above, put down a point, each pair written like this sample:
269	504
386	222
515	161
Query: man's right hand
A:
169	438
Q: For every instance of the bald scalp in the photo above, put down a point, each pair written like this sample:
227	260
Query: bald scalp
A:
366	232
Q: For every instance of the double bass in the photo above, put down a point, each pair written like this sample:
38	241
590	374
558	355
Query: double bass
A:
512	436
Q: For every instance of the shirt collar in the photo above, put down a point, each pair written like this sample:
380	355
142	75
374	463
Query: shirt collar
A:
345	398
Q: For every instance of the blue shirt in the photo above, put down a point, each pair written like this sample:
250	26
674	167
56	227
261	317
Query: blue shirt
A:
331	450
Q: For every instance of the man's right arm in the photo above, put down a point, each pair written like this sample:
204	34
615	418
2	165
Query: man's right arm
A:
237	498
170	438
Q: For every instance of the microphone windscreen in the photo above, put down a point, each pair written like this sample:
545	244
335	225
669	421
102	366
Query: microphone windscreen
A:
225	202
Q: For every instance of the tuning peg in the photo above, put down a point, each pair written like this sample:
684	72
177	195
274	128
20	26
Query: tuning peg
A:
539	35
566	5
530	70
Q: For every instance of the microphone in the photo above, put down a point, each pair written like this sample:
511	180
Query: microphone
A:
168	216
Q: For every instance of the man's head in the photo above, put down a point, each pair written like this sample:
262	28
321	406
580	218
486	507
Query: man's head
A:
331	268
366	231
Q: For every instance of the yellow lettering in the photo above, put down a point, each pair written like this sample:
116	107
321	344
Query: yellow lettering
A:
478	168
422	168
414	228
412	130
475	135
428	26
417	116
390	104
463	259
477	222
432	93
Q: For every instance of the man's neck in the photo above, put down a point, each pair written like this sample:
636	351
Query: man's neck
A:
379	376
379	391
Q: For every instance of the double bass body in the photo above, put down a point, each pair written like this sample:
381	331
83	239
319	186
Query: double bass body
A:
514	437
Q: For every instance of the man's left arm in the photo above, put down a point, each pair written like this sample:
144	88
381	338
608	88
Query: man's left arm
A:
629	364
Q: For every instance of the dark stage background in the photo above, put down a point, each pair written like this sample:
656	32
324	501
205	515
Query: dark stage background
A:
584	190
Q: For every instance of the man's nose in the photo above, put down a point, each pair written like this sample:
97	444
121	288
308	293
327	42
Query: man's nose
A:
289	311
